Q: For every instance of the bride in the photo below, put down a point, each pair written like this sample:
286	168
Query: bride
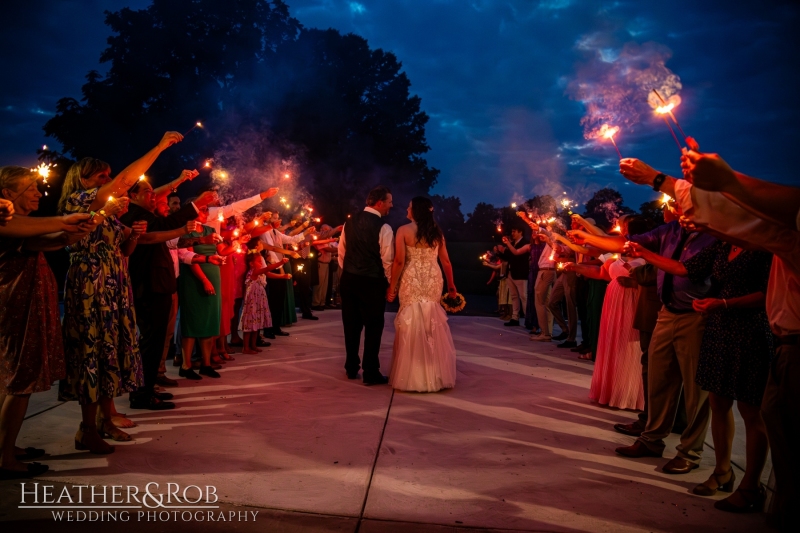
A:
424	357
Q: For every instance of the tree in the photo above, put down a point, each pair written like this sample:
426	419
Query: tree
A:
337	112
481	224
447	210
605	207
653	213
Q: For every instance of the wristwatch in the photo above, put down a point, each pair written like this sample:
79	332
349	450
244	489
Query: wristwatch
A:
658	181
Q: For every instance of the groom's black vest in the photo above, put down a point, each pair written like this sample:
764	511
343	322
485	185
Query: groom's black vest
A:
362	255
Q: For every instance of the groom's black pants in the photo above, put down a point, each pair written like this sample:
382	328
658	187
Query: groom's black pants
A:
363	304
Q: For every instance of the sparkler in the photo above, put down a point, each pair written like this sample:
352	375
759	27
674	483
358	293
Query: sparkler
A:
565	203
142	177
499	228
196	125
551	220
286	176
560	266
513	205
44	172
318	220
207	164
608	132
665	199
617	229
236	233
667	108
221	217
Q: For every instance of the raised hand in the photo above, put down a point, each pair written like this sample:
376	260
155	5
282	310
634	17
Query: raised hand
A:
633	249
169	138
577	236
212	238
637	171
208	197
116	206
707	171
244	239
188	175
269	193
191	226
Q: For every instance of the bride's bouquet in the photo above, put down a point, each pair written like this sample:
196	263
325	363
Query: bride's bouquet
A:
453	305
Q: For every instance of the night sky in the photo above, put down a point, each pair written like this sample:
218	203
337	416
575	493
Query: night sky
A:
505	83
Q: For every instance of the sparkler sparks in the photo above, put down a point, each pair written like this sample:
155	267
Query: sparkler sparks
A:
665	199
513	205
608	132
196	125
142	177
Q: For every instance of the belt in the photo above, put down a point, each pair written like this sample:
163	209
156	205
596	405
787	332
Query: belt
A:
546	268
679	311
788	340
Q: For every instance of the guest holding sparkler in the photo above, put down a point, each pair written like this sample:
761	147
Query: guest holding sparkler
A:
102	352
674	349
537	245
6	211
31	345
255	310
516	253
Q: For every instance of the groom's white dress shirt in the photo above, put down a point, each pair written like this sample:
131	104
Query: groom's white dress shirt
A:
386	242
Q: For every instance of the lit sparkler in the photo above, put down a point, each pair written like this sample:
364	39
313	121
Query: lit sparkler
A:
196	125
608	132
142	177
499	228
551	220
665	199
513	205
667	108
286	176
221	217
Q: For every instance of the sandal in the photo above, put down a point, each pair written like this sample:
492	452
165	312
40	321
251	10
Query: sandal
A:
585	357
226	356
107	429
753	501
705	489
87	439
121	421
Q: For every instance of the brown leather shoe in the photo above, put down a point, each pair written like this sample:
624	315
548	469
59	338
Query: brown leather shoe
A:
164	381
679	465
636	450
633	429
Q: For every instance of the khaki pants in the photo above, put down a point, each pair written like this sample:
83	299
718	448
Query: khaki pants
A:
321	290
519	293
780	410
673	357
565	288
544	280
173	314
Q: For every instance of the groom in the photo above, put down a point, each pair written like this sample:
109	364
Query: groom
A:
366	253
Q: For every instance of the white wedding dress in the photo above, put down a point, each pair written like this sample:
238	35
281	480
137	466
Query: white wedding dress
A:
424	357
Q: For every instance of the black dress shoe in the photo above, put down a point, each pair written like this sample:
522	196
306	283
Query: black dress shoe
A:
578	348
152	403
512	322
310	317
269	336
209	371
561	336
188	374
263	344
352	375
280	333
567	344
317	308
163	396
634	429
29	453
636	450
375	379
33	469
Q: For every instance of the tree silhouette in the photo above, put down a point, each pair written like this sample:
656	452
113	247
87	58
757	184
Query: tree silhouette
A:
447	210
340	111
605	207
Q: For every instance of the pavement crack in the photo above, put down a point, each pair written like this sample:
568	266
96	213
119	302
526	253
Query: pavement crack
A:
374	464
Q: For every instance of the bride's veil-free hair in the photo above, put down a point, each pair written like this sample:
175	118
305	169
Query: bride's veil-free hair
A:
428	232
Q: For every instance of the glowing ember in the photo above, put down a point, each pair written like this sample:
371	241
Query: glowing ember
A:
608	132
221	217
43	170
317	220
236	233
299	268
560	266
207	164
665	108
315	237
255	223
552	256
302	213
565	203
551	220
110	198
310	209
142	177
617	229
283	199
514	205
665	199
499	228
44	147
530	215
223	175
286	176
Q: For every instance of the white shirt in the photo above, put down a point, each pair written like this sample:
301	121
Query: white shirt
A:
236	208
172	244
544	259
727	220
277	239
385	241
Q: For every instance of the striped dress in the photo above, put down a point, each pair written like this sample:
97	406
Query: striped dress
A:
617	377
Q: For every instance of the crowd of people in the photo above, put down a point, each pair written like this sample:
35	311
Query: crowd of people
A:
149	276
681	320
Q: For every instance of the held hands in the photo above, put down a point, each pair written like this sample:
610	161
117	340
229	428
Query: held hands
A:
169	138
707	305
637	171
215	259
633	249
391	294
138	228
6	211
78	222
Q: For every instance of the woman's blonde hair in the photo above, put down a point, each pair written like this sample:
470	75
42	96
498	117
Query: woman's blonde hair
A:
83	169
11	177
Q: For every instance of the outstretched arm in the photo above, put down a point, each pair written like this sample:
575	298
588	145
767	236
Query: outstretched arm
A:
670	266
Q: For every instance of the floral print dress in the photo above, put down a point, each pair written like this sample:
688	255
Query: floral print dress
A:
100	343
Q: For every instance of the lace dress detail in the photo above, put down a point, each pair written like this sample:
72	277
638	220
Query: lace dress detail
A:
424	357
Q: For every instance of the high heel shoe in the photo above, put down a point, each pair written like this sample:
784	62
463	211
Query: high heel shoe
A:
87	438
705	489
753	501
107	429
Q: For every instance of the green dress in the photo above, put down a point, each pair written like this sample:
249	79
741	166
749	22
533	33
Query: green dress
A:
200	312
100	342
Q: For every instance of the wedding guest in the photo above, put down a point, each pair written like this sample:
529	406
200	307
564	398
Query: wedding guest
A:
174	202
102	353
325	256
537	247
544	283
255	310
233	239
218	214
6	211
152	276
734	209
674	349
564	289
31	346
517	252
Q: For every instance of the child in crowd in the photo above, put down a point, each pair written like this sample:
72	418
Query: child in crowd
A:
255	310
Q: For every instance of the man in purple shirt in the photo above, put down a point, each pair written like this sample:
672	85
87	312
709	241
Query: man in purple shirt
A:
674	349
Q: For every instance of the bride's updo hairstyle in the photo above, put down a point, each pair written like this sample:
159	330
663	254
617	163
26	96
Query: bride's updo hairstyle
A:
428	232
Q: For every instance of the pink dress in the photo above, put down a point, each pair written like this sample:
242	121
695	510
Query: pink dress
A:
617	377
255	309
226	275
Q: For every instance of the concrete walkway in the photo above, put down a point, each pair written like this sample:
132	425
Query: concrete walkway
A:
515	446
